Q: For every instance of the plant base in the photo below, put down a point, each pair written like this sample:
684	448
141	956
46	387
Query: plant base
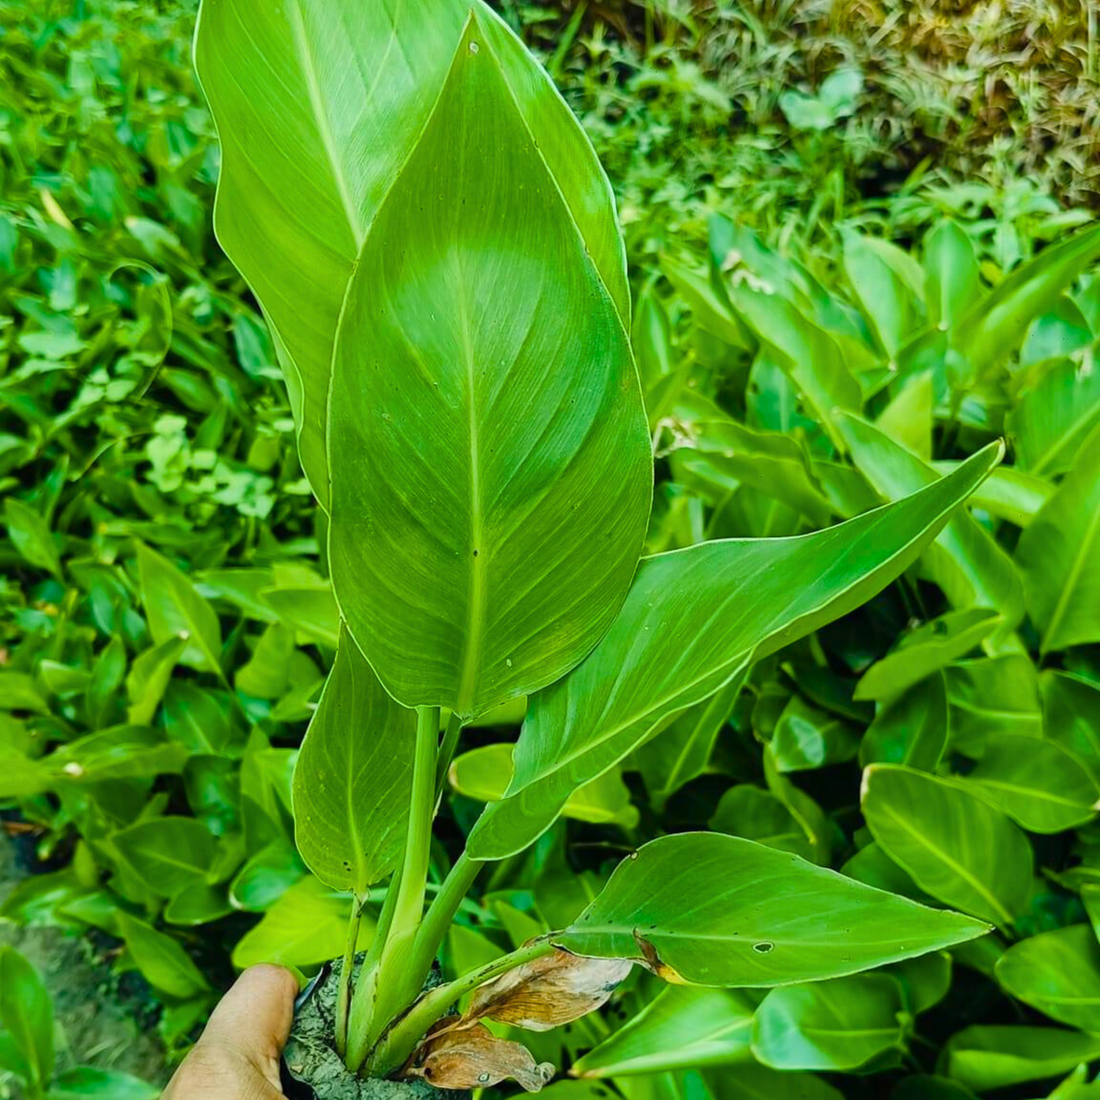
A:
314	1071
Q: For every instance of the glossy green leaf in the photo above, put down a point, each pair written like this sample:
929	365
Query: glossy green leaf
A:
994	1057
1052	418
952	280
175	610
910	729
161	960
807	737
720	911
267	876
265	674
957	847
889	284
168	853
31	536
754	814
298	92
760	1083
484	773
1058	973
837	1025
196	905
1055	556
1037	783
26	1013
925	651
993	328
307	926
523	439
1071	715
683	1027
965	561
87	1082
148	677
998	694
682	751
353	779
693	620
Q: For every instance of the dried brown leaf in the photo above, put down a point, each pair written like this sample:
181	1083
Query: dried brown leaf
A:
473	1057
548	992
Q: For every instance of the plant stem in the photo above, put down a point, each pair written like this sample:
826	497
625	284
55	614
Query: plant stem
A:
343	997
384	991
447	751
401	1040
437	921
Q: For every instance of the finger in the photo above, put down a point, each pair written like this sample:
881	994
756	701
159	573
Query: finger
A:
254	1017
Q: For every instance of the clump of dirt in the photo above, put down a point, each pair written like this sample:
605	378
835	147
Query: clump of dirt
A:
317	1072
96	1029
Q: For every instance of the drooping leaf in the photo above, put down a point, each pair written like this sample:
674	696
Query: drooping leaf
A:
693	620
299	93
683	1027
26	1013
1058	973
547	992
1054	555
474	1057
1036	783
956	846
716	910
837	1025
353	779
176	610
494	461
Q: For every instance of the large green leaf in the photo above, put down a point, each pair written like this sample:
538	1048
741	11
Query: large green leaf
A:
838	1025
495	476
353	779
694	619
162	961
716	910
910	729
957	847
1053	418
168	854
1058	973
319	106
683	1027
1057	554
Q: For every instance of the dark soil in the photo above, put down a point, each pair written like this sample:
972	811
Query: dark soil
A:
317	1072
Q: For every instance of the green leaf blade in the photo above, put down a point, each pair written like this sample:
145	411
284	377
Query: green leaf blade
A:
716	910
493	460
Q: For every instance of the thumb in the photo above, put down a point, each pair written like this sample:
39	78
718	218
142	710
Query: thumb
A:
254	1017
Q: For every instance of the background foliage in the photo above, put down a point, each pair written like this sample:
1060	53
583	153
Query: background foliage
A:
166	615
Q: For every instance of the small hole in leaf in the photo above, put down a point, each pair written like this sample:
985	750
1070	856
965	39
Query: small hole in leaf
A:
762	948
474	47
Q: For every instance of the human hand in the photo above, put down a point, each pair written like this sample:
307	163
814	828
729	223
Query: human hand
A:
237	1057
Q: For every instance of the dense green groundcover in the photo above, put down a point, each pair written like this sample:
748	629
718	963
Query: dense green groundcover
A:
168	621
